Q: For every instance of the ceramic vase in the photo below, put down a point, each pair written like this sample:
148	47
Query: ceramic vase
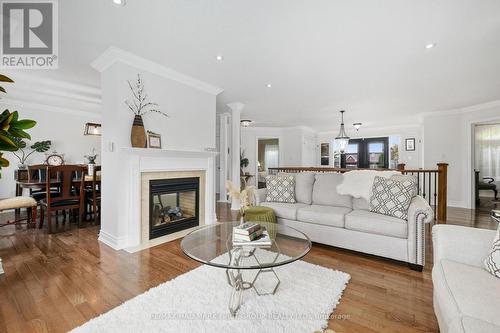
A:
138	134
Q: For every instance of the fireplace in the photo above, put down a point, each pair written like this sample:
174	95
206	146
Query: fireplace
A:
174	205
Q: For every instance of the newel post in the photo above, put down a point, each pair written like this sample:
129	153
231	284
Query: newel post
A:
442	192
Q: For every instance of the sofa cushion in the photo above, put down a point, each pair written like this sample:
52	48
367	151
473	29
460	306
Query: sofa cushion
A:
361	220
325	191
467	296
280	188
326	215
284	210
360	203
393	196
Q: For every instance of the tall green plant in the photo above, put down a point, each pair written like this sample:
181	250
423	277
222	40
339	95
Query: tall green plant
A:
11	128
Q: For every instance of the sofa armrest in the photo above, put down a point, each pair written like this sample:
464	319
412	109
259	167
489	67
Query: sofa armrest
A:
260	195
462	244
419	213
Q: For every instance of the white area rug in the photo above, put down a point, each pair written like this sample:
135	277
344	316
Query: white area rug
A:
198	302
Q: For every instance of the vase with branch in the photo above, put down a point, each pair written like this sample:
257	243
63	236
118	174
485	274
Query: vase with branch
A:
23	152
246	197
140	105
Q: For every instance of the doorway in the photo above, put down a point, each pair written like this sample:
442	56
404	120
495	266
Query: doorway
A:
487	166
372	153
268	156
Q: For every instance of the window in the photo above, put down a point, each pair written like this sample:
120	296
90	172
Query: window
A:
352	155
325	154
367	153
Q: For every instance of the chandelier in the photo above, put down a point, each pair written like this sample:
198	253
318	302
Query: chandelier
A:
342	138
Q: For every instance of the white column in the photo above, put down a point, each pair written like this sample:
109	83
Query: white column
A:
234	152
224	146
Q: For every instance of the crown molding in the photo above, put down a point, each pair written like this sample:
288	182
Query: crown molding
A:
388	128
463	110
21	103
25	86
114	55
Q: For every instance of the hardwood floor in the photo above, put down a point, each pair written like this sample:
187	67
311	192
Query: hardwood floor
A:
53	283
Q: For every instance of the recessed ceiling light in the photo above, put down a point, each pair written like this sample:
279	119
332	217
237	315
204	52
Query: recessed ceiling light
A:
268	85
430	45
119	2
219	58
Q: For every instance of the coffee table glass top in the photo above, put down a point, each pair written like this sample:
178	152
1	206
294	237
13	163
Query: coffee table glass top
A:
212	245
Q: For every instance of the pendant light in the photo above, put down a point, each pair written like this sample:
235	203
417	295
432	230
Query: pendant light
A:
342	138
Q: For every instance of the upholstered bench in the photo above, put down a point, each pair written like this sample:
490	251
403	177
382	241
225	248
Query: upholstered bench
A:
17	203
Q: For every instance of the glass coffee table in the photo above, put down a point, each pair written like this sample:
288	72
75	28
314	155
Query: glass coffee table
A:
212	245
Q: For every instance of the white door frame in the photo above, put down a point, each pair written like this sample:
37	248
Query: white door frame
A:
280	154
471	157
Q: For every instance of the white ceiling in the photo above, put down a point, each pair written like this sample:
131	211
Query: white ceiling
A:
365	56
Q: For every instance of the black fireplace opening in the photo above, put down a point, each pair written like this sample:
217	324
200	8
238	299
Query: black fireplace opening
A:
174	205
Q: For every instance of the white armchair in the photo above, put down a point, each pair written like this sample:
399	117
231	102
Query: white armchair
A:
465	294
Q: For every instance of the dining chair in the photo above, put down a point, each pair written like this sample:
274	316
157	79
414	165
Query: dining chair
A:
93	194
38	172
70	196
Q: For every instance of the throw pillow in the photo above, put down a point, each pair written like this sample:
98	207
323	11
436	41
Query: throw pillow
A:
392	196
303	186
280	188
492	261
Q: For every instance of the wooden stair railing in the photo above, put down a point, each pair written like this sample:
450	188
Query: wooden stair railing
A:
432	184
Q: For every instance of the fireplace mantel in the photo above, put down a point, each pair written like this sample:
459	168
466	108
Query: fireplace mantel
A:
151	152
135	162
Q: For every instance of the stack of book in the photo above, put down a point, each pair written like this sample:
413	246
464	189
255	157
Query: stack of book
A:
251	234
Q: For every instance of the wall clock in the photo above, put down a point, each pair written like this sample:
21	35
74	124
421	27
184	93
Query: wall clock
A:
54	158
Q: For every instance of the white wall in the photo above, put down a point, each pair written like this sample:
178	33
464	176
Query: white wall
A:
448	138
412	159
191	125
63	126
295	146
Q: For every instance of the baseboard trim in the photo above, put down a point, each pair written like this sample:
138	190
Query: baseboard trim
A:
458	204
116	243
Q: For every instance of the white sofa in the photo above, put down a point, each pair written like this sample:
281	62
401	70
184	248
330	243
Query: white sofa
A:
342	221
466	296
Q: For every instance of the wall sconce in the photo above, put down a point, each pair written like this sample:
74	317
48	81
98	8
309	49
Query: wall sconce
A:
92	129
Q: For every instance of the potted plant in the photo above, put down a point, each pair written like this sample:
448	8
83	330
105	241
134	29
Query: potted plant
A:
244	162
11	128
140	105
22	153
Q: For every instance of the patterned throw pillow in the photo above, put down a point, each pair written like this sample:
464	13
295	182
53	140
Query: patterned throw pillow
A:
392	196
280	188
492	261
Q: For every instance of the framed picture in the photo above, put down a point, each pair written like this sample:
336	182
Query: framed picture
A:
410	144
154	140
